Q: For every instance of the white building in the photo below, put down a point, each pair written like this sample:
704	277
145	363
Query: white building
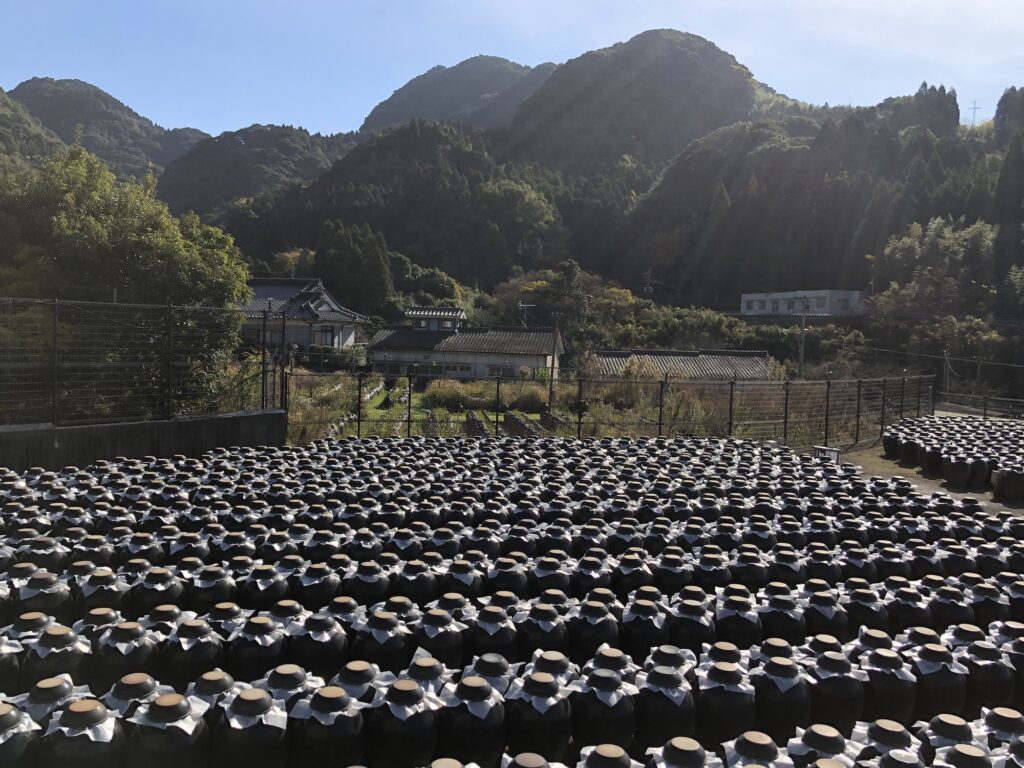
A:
435	343
824	303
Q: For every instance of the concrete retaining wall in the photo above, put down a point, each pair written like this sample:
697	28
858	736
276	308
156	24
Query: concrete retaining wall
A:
31	445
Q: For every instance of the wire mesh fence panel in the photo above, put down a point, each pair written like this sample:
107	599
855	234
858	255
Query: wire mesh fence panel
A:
27	333
696	408
201	343
622	408
806	423
841	413
321	405
112	363
979	405
759	410
84	362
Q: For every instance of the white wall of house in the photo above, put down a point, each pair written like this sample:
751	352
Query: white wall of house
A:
300	332
823	302
458	365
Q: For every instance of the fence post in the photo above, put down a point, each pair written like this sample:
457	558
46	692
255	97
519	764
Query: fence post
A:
579	409
55	371
881	429
919	395
828	403
497	401
903	387
785	412
856	428
732	393
359	404
934	394
984	407
263	364
408	409
170	361
661	408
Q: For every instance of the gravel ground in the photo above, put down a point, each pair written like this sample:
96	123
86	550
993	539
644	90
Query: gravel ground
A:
873	460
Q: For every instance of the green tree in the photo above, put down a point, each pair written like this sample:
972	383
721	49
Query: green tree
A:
355	267
71	230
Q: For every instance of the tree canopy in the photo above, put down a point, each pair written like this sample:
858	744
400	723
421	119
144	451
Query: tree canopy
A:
71	230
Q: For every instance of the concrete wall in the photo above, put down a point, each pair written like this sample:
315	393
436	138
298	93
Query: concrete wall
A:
30	445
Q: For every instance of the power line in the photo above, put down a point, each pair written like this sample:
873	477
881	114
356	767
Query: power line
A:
972	360
906	314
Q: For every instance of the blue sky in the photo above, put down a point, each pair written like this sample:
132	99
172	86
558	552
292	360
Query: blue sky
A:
223	64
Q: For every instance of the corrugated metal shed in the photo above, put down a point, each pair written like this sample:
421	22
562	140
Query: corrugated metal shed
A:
497	340
300	298
687	364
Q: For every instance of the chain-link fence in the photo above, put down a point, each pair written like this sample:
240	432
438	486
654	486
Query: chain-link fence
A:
70	363
801	414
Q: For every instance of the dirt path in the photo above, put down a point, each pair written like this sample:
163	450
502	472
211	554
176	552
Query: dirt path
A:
873	461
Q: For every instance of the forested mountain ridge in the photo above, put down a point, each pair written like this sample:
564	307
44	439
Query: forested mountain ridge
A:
764	206
648	97
24	141
465	92
223	169
460	210
123	139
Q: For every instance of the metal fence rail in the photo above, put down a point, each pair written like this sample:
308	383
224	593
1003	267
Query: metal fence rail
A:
82	363
801	414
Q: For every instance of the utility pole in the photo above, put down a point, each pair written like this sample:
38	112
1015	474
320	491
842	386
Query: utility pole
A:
551	372
974	112
803	335
648	289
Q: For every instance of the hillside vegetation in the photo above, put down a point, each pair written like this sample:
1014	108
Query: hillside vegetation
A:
129	143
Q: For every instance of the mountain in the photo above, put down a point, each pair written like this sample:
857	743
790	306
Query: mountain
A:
23	139
433	190
782	204
126	141
497	110
648	97
483	92
217	171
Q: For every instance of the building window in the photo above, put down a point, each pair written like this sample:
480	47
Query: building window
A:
775	305
844	304
505	371
790	304
327	337
421	324
820	302
760	303
447	324
750	305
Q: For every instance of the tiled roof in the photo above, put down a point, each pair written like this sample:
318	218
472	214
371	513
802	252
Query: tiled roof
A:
695	364
300	298
446	312
498	341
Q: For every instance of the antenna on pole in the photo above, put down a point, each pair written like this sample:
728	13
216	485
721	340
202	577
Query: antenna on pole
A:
523	310
974	112
648	289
